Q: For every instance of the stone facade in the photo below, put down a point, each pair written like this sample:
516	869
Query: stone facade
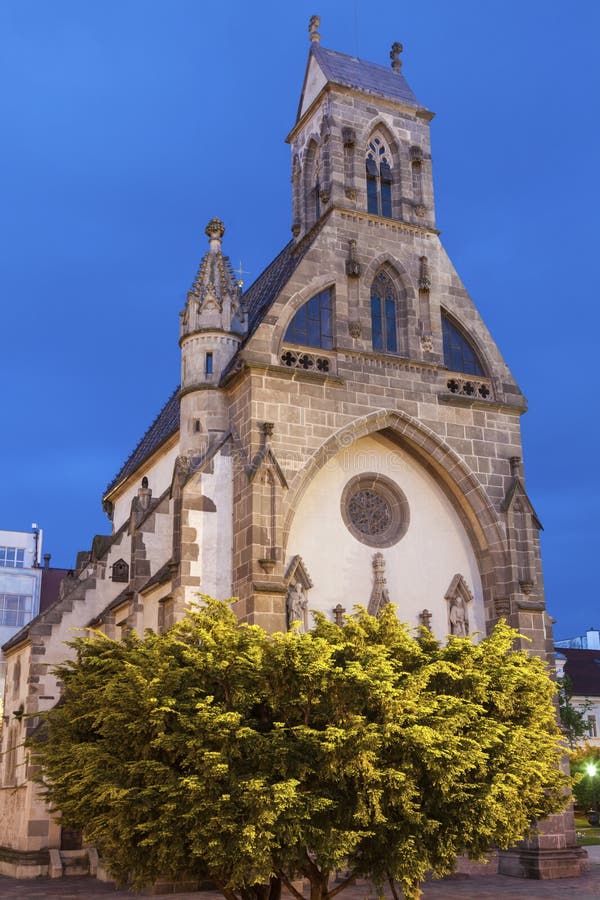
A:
246	485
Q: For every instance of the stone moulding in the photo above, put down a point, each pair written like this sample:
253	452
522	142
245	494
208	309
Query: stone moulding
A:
309	362
476	388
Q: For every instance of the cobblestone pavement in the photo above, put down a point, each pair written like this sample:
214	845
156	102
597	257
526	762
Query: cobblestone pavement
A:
476	887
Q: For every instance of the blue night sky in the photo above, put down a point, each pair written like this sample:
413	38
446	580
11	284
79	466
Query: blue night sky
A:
129	124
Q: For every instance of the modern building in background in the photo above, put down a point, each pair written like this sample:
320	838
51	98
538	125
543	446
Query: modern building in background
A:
20	582
588	641
26	587
578	659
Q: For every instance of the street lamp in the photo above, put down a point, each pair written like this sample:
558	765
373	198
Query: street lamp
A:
591	770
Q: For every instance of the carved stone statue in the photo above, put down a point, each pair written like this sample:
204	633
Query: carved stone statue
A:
459	618
297	605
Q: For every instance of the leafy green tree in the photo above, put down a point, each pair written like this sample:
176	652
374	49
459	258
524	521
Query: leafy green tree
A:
586	786
573	718
219	751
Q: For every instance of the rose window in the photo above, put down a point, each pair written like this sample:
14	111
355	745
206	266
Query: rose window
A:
375	510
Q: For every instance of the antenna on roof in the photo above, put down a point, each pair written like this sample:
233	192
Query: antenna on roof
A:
313	29
356	28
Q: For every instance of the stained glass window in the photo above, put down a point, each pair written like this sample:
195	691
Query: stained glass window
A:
459	355
384	314
312	326
379	178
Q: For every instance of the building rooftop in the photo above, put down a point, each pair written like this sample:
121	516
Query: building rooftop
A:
368	77
583	670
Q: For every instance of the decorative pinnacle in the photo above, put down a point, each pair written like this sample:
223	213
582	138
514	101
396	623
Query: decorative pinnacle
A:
215	229
395	56
313	29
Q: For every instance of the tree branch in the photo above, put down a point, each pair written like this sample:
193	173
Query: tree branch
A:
343	884
392	885
227	892
290	886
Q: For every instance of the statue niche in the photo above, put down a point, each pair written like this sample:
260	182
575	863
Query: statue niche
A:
298	583
458	597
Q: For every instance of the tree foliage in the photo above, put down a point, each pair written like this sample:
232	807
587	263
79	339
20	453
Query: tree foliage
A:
586	787
572	718
220	751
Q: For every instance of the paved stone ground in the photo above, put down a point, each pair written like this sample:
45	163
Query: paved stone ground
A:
475	887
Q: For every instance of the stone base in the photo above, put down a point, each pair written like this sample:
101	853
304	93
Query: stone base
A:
23	863
542	864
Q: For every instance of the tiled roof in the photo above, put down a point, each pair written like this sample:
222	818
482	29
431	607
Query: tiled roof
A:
368	77
583	669
165	424
269	283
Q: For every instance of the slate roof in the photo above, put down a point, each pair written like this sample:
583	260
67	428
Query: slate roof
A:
583	670
368	77
269	283
165	424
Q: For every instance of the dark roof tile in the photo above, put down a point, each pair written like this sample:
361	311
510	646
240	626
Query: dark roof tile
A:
165	424
583	669
368	77
262	292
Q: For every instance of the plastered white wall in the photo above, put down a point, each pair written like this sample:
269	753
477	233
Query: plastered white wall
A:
315	80
159	477
419	568
214	531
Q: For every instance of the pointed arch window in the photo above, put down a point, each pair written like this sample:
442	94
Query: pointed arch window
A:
459	354
315	188
378	163
384	314
312	326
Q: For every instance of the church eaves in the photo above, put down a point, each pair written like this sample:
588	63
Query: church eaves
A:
165	425
264	291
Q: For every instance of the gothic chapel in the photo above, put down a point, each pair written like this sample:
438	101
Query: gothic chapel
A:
346	431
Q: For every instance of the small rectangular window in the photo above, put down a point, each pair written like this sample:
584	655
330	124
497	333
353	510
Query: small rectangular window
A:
12	557
15	609
209	364
592	726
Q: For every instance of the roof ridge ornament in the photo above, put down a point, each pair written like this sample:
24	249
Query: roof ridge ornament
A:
395	52
313	29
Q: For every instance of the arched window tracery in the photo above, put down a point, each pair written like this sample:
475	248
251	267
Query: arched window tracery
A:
459	353
312	326
384	314
378	163
312	183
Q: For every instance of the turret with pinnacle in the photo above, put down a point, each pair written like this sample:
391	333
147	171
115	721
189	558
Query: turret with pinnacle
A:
213	323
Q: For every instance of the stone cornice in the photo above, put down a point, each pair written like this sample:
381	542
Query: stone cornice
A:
264	587
498	405
198	386
217	332
283	371
388	361
332	86
394	224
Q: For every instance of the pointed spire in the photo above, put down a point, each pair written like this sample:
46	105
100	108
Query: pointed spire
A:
313	29
214	297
